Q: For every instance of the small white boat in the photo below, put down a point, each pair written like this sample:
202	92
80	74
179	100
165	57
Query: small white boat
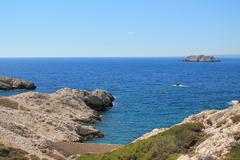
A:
179	85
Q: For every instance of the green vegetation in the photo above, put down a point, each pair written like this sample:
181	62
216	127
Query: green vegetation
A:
234	154
168	145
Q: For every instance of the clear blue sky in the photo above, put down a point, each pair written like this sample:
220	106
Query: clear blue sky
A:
109	28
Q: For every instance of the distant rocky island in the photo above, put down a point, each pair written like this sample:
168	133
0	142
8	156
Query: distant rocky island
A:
201	58
7	83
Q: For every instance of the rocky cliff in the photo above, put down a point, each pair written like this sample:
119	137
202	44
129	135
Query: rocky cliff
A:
201	58
222	128
7	83
31	121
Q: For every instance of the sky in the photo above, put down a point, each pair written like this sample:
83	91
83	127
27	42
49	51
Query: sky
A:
119	28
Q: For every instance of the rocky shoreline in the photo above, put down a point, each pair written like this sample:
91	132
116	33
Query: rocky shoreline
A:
222	130
209	135
32	121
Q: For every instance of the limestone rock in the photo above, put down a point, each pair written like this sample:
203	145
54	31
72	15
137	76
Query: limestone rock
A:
222	128
201	58
99	100
7	83
32	120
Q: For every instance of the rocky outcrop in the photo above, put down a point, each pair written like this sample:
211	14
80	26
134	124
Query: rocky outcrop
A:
7	83
99	100
201	58
32	121
222	128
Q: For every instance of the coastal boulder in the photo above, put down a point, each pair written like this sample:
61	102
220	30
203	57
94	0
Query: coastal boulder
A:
99	100
7	83
201	58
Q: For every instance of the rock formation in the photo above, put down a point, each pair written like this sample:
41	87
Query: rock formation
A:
201	58
222	128
7	83
31	121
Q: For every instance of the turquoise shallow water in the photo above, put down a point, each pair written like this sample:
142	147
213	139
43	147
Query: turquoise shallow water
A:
145	95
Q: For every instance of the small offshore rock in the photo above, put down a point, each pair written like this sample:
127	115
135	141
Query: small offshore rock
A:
7	83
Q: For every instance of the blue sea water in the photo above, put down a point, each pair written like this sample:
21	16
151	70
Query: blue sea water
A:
143	87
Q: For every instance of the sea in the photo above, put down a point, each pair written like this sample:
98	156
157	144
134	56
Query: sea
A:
145	88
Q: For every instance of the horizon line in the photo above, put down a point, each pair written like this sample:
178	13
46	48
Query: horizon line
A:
114	56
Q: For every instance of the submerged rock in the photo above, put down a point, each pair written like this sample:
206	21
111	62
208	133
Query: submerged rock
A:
201	58
7	83
32	120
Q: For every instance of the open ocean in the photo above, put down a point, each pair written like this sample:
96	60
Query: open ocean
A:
143	87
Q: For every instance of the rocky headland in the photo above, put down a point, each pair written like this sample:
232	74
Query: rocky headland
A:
33	121
7	83
209	135
201	58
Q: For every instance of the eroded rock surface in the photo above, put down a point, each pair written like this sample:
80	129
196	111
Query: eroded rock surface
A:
7	83
31	121
222	128
201	58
